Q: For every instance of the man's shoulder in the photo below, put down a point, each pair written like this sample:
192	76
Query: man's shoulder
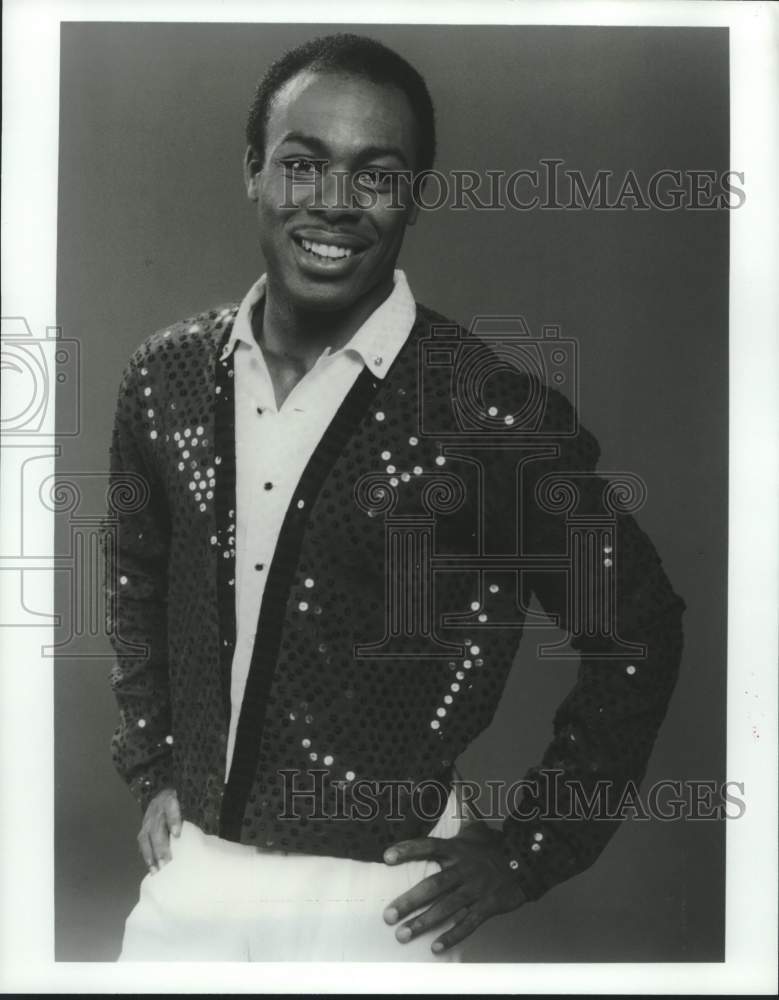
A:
195	338
509	381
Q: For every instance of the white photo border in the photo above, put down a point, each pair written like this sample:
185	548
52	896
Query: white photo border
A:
31	40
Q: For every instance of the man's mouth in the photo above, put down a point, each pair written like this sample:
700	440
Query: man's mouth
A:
325	251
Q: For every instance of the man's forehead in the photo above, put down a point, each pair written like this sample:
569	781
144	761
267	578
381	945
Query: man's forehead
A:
345	111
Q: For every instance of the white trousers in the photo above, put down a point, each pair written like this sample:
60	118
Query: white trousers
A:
221	901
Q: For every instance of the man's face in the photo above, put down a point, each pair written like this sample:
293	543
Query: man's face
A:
329	240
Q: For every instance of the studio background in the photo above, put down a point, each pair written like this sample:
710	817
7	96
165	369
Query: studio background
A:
154	226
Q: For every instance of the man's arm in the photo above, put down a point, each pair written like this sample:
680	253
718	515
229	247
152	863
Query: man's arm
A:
136	537
602	732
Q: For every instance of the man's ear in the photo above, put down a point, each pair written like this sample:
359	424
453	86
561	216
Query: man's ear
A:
414	195
252	165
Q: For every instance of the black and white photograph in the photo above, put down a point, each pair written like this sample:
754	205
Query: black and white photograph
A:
389	486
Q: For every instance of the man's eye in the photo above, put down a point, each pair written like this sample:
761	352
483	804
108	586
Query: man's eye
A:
302	165
376	177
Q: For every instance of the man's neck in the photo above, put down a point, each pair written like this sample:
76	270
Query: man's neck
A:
285	331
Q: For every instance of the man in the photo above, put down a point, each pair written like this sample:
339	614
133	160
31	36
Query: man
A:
305	458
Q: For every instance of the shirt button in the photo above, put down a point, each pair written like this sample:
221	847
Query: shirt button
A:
268	486
259	410
259	566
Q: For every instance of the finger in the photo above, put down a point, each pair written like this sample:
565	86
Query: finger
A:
173	815
471	919
160	841
144	846
424	892
420	849
455	903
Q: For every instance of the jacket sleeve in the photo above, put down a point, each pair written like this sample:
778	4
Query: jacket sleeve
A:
135	544
603	732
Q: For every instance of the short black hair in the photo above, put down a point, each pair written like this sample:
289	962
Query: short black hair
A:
349	55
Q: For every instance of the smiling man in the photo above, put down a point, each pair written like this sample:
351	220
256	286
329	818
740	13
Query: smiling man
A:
267	677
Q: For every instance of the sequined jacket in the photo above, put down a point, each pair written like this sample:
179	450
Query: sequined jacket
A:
438	501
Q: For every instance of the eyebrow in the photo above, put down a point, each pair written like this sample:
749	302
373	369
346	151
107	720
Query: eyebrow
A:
366	153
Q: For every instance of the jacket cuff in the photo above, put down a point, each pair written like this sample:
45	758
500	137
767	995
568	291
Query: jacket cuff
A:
521	849
149	782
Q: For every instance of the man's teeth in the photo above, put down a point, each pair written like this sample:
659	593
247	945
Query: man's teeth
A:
326	249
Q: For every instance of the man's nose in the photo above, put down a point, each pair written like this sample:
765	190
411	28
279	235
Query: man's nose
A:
335	196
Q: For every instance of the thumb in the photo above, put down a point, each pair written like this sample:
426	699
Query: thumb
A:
173	815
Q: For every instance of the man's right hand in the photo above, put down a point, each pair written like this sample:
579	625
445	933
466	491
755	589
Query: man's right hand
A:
162	818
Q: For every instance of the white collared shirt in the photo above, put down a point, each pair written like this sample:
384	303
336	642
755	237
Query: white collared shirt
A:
273	445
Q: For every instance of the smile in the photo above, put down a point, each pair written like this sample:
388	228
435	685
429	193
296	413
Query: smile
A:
326	250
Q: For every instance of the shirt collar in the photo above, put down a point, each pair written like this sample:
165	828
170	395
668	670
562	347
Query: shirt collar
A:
377	341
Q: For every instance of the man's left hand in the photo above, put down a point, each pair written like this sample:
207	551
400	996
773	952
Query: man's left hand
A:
474	884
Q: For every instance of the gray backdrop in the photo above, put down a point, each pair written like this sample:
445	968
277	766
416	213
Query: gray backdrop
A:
154	225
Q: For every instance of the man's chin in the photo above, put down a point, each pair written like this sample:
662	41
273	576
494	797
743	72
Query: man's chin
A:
323	296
